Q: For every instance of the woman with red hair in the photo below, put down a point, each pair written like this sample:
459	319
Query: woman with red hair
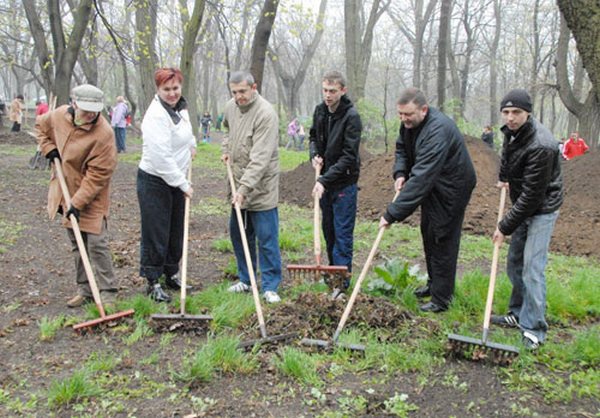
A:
162	185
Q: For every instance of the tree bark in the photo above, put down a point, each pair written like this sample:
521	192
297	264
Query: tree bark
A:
145	23
443	42
262	33
494	65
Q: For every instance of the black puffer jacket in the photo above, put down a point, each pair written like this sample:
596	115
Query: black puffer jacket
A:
531	166
336	138
438	170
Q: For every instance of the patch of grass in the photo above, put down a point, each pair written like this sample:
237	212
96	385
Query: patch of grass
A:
228	310
208	156
211	206
222	245
17	406
19	150
219	354
72	389
9	233
141	331
130	157
101	362
398	406
143	306
289	159
49	327
581	349
299	365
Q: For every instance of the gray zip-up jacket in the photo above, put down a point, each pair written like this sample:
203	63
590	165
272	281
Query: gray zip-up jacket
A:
252	144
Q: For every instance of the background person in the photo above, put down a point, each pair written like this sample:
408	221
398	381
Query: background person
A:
292	132
16	113
84	142
334	146
574	147
118	120
251	147
206	121
162	185
433	170
530	168
41	107
488	136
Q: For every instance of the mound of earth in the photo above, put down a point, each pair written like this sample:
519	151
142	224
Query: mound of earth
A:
578	228
17	138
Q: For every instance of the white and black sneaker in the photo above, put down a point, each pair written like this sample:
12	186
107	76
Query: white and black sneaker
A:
509	320
530	341
239	287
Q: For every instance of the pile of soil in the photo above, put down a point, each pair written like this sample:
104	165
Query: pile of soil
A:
17	138
578	228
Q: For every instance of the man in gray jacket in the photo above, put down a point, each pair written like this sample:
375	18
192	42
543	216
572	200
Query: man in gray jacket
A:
251	147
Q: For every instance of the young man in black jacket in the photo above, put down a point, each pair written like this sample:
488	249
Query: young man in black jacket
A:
433	170
530	168
334	142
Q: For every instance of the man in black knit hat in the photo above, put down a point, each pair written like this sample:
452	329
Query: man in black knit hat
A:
530	168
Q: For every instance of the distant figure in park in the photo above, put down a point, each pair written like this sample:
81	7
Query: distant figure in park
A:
206	122
2	112
301	136
292	131
41	107
219	122
16	113
488	136
118	121
574	147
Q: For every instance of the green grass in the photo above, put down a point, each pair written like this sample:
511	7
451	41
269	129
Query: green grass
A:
222	245
9	233
49	327
299	365
289	160
229	310
211	206
142	330
19	150
101	362
75	388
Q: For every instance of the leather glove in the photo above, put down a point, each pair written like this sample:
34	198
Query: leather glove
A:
53	154
72	211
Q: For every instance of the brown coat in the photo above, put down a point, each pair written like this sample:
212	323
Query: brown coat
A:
89	158
16	111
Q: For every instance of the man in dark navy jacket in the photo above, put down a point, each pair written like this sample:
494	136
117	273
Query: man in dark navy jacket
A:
433	170
334	142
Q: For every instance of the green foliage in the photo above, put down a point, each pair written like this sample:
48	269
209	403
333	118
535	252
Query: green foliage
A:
130	157
228	310
142	330
395	277
397	405
49	327
69	390
211	206
222	245
290	159
219	354
9	233
99	362
208	156
298	365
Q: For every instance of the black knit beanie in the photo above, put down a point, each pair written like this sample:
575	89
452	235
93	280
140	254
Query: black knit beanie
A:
517	98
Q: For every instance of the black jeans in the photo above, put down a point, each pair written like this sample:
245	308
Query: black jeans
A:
162	212
441	254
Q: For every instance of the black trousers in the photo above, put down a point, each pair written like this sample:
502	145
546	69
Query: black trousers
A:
441	254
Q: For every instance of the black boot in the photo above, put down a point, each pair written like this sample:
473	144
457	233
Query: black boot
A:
423	292
174	282
157	293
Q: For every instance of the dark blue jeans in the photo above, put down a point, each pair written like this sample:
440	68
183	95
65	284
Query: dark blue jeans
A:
262	232
161	211
120	138
339	215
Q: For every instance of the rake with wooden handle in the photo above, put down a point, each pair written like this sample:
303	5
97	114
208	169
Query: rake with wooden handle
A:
315	270
86	261
500	353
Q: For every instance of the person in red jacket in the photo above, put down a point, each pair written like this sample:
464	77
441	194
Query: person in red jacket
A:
574	147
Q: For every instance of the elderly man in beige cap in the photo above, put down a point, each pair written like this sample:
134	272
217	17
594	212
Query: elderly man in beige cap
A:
83	140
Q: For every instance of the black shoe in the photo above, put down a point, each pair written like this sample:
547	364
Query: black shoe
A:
509	320
423	292
432	307
157	293
174	282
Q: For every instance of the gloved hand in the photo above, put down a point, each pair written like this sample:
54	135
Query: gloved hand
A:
53	154
72	211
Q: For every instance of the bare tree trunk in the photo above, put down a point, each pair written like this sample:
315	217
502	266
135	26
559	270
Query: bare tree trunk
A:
145	23
358	44
494	65
191	27
262	34
443	42
41	47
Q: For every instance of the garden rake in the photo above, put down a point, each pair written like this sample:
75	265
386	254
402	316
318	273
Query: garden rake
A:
350	304
299	271
182	316
499	353
86	262
259	313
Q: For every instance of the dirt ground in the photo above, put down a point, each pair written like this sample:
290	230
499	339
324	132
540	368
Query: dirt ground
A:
37	279
577	230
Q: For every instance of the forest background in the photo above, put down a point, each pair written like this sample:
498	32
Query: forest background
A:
464	54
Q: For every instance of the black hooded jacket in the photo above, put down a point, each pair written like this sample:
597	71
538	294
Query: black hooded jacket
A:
531	166
440	176
336	138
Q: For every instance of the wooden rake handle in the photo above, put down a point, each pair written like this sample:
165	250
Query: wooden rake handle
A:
494	270
360	279
316	219
79	238
186	234
238	212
